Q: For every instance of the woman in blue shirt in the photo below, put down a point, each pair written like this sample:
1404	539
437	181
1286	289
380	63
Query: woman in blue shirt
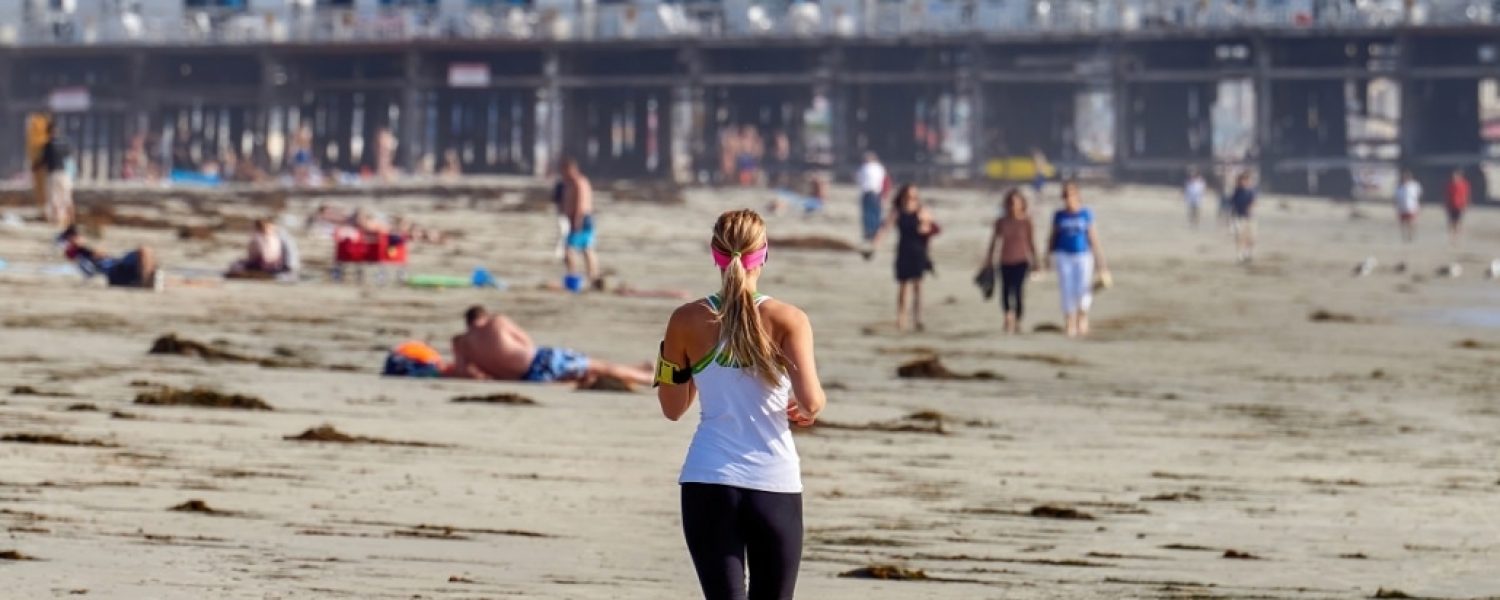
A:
1074	248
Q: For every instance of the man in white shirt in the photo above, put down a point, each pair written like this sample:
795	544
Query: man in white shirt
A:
871	179
1193	191
1408	200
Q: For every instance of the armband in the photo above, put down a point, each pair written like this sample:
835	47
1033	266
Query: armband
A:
668	372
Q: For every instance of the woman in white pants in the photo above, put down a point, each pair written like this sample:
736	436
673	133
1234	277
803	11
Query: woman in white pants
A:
1074	248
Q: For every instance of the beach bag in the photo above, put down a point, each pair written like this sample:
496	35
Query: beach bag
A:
413	359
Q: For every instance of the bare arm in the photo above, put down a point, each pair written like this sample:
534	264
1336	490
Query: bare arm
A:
514	332
570	205
1051	243
583	203
925	223
677	399
462	368
802	369
989	255
1097	251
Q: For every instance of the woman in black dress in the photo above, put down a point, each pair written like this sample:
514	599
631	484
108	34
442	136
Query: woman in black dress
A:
914	226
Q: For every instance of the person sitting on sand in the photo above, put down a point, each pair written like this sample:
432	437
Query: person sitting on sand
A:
270	253
266	252
136	268
494	347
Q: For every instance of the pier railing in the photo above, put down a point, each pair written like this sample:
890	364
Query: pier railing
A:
646	20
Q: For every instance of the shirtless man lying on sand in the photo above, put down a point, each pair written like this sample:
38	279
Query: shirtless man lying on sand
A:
494	347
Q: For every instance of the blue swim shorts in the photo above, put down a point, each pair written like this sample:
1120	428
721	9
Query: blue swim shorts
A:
556	364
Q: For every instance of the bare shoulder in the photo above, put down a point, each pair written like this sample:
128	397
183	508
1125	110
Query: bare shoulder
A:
783	314
694	311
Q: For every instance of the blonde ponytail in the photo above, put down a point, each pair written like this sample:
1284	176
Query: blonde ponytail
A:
746	342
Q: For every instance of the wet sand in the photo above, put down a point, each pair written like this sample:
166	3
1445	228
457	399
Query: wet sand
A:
1212	440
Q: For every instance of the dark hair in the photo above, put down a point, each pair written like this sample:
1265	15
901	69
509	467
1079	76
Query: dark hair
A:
566	162
1016	194
475	313
68	234
1068	184
906	189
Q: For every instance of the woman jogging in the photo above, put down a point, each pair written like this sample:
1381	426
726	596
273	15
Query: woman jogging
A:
1074	248
1012	236
750	358
914	228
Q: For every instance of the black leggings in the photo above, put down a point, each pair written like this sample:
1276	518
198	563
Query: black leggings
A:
725	524
1012	279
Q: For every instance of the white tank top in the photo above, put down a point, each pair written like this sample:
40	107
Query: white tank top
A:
743	439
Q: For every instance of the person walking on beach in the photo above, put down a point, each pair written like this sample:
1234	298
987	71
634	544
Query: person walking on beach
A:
578	207
54	161
749	359
1074	248
1193	192
1039	169
1242	220
871	179
1012	237
1458	202
914	229
301	152
37	125
1408	201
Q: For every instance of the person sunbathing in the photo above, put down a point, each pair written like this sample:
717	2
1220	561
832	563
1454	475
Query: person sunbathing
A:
137	268
326	218
494	347
410	230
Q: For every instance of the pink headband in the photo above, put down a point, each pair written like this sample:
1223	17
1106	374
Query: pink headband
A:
750	261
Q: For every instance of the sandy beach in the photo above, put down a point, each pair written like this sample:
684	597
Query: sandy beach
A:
1278	430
